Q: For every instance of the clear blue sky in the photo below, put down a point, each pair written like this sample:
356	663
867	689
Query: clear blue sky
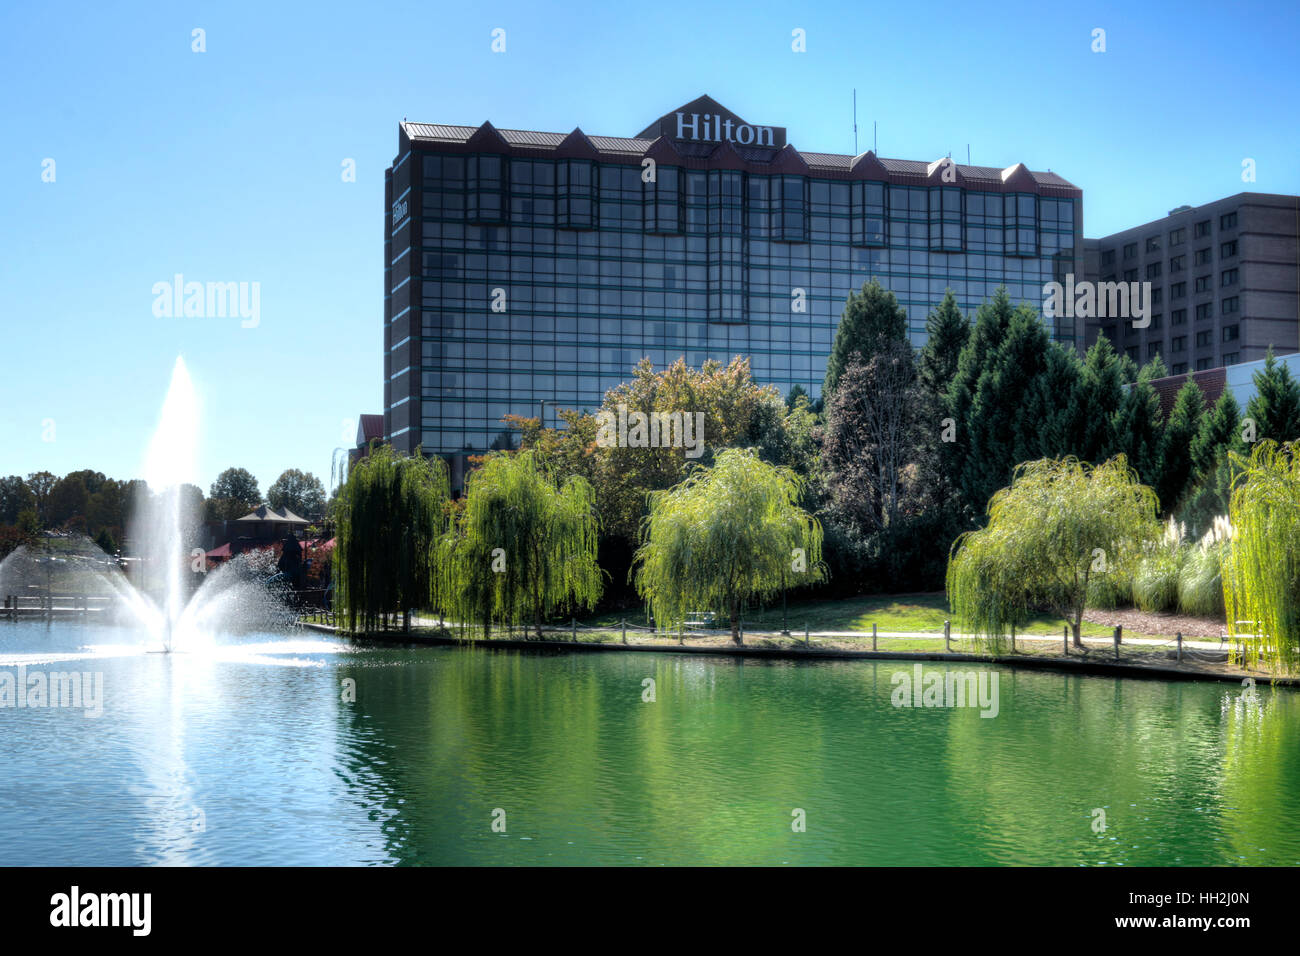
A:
225	165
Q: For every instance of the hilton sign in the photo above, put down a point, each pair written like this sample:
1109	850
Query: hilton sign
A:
715	128
706	121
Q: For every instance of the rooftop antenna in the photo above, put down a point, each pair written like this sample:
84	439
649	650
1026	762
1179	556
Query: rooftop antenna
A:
968	154
874	148
855	121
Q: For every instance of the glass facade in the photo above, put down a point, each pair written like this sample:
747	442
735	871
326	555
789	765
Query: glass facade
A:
542	282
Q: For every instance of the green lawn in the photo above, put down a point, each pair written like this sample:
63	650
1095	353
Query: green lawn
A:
890	612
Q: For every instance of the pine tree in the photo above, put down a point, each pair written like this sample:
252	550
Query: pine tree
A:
871	319
1219	434
1176	468
1138	426
1046	427
947	331
1275	409
1007	351
1097	398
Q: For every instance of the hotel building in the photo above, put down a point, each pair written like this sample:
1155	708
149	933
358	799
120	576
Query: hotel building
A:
529	271
1225	282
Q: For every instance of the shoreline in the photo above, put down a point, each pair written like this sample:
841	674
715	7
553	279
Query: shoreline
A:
1044	662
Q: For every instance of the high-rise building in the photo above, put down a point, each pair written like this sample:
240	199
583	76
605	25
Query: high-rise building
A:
529	271
1225	282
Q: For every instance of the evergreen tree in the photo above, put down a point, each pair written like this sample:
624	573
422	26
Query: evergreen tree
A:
1138	427
1097	399
1154	369
1275	409
1176	469
947	331
1219	434
871	319
1006	352
1047	424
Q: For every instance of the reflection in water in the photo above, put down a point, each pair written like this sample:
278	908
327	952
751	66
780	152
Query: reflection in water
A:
250	751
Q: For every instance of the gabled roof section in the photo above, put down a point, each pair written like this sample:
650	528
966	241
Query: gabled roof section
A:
943	171
868	166
1017	176
577	146
486	139
789	160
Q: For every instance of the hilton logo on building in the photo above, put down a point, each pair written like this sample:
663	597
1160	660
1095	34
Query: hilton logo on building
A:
706	121
716	129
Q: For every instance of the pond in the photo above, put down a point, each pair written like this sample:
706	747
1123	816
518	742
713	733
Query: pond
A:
301	749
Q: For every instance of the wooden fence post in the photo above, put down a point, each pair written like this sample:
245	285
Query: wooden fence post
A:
1066	641
947	637
873	637
1117	627
1013	638
624	630
1180	647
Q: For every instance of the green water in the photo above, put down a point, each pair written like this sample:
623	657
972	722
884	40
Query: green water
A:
285	770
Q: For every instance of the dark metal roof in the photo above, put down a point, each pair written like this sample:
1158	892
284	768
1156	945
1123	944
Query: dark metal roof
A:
625	149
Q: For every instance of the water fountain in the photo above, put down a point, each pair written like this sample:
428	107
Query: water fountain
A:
162	606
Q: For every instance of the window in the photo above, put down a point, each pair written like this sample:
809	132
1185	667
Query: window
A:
1203	283
1176	236
788	203
1131	250
1153	244
1229	277
1180	368
575	194
1157	320
663	201
1228	249
1178	317
1108	257
1177	290
1228	221
1203	363
1228	306
1202	257
1130	275
1205	338
1153	270
1157	296
1153	349
1231	358
945	219
1179	343
1177	263
1132	352
485	177
868	214
1231	333
1202	229
1205	310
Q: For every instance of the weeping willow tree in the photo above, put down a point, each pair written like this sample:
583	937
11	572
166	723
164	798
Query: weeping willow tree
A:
523	548
724	537
1060	523
389	514
1261	567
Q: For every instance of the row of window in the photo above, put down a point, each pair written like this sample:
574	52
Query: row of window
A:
785	208
1177	290
1176	238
